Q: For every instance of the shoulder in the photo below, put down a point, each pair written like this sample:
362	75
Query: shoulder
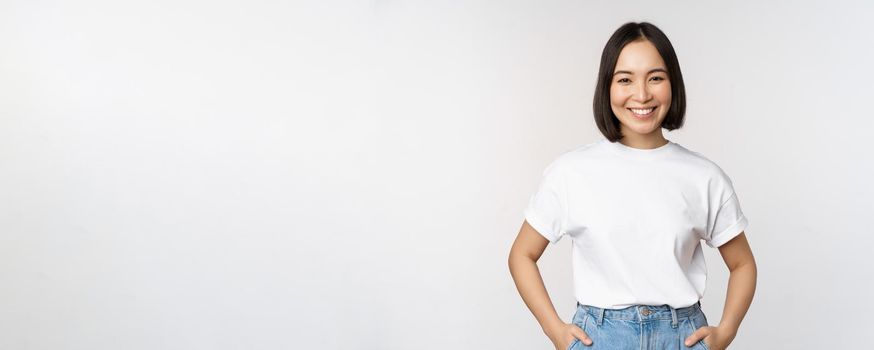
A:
701	164
579	154
586	149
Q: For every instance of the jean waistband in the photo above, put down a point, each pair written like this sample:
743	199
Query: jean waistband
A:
641	312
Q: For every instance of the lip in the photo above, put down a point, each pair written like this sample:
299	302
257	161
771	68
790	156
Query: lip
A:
645	116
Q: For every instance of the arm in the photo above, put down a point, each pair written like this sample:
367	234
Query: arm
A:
527	249
741	286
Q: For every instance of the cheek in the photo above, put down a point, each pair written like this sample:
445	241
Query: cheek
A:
618	96
663	93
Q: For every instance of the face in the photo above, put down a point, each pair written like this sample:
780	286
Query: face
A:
640	84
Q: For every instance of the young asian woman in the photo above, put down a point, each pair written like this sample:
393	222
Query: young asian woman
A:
637	207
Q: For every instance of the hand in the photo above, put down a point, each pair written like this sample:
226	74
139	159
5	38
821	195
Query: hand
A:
716	338
564	334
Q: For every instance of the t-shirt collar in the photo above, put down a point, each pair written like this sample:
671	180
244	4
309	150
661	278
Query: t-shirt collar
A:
620	148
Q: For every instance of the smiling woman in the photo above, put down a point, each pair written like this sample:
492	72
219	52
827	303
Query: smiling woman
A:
639	70
640	93
637	207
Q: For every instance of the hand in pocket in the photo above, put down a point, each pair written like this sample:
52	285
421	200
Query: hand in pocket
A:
715	338
565	336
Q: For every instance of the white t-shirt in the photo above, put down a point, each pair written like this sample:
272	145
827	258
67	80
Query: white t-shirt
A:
636	219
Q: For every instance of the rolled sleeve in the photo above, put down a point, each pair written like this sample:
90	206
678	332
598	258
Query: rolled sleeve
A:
729	223
547	208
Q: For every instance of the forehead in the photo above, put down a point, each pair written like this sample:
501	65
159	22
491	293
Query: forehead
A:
639	57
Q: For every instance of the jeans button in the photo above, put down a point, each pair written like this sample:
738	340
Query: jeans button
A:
645	312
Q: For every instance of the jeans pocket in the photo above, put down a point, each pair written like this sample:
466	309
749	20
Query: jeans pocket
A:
582	325
573	343
696	323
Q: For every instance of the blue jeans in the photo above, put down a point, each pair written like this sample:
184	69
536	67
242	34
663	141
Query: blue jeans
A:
639	327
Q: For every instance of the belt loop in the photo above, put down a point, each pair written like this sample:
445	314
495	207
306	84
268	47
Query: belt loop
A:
673	317
576	311
600	316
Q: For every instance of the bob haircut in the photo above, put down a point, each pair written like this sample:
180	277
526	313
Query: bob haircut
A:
629	32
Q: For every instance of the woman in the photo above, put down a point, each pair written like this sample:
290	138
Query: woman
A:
636	207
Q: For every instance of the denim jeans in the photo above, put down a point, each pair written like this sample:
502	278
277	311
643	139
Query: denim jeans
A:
639	327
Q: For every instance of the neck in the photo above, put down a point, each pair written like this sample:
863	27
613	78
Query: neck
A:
648	141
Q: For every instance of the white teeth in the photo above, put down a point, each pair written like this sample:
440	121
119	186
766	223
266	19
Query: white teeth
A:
642	111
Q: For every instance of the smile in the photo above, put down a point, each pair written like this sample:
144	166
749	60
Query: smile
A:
642	113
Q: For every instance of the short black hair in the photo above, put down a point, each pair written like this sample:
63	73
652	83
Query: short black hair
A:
629	32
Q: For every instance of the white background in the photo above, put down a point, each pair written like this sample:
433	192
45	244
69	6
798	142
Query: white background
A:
351	174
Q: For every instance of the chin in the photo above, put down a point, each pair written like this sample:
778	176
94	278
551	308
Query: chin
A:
643	129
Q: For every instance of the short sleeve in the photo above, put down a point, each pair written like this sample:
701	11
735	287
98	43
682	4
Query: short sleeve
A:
726	219
547	207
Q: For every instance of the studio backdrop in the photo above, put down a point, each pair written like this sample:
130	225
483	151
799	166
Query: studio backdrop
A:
351	174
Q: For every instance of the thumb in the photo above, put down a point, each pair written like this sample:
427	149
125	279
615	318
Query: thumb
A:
697	335
581	335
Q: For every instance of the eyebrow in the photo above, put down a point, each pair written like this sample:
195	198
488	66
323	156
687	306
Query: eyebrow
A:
650	72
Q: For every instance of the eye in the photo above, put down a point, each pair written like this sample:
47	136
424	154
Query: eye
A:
622	80
658	78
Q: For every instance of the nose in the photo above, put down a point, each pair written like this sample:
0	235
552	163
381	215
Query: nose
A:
641	92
